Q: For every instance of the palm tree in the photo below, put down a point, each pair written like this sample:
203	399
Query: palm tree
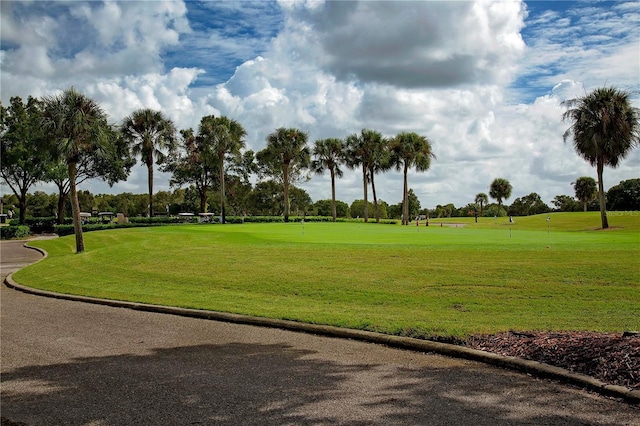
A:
286	157
225	138
499	190
328	155
410	150
78	127
586	190
356	156
481	199
367	150
378	151
149	134
604	128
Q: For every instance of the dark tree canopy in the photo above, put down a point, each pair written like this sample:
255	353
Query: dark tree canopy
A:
624	196
23	153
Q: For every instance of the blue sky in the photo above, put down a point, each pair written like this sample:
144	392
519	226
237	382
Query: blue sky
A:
482	80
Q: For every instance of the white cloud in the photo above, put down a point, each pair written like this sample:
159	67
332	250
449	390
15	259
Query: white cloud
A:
417	44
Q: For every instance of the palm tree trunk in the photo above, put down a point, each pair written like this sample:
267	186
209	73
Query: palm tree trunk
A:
603	202
333	195
584	206
222	194
75	208
150	173
375	199
366	201
405	199
285	172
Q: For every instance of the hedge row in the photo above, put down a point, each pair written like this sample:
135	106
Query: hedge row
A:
62	230
279	219
19	231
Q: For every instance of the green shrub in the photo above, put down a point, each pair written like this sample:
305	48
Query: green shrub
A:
18	231
164	219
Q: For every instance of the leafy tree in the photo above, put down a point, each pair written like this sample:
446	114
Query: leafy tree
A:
500	190
481	200
286	159
528	205
604	129
494	210
78	127
328	155
448	210
625	195
300	201
85	201
266	198
192	162
413	203
565	203
238	194
586	190
40	204
24	159
357	208
150	135
395	211
325	208
410	150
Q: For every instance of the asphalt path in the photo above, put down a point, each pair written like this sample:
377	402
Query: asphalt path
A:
74	363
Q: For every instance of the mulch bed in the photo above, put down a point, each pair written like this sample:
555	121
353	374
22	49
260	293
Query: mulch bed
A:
613	358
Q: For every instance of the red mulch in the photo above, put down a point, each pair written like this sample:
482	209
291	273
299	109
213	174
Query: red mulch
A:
613	358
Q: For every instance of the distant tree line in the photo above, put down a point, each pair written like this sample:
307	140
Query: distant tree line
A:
265	199
67	139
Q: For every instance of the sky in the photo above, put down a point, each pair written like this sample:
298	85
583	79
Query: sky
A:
482	80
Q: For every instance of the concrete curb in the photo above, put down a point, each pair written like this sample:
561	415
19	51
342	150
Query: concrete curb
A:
535	368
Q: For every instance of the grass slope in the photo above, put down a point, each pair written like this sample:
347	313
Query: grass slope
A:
420	281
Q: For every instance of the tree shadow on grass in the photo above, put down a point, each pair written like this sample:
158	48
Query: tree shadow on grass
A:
242	384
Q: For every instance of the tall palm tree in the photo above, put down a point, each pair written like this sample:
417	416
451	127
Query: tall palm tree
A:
378	151
225	138
481	199
586	190
149	134
286	157
367	150
499	190
356	156
328	155
604	128
410	150
78	127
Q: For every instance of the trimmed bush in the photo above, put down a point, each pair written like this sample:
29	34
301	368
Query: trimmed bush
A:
10	232
164	219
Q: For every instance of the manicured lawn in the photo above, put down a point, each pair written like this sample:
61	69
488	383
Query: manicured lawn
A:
488	277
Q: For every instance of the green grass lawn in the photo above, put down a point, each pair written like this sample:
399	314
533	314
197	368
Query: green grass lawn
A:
449	281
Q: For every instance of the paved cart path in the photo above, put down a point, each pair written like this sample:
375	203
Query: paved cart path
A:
75	363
